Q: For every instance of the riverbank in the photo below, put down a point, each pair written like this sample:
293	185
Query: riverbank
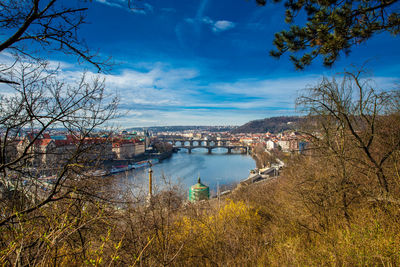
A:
255	176
108	164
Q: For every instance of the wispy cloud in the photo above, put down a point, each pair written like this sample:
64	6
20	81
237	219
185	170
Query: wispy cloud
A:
215	26
201	9
144	9
109	3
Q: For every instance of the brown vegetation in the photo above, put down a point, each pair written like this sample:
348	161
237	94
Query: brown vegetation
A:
333	206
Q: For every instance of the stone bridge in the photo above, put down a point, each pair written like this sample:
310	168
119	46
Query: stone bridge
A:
209	144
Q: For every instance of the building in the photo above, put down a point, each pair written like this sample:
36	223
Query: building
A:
284	145
199	192
127	149
271	145
43	150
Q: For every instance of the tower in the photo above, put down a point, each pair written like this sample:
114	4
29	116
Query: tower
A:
150	182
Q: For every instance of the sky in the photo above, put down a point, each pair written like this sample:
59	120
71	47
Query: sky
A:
206	62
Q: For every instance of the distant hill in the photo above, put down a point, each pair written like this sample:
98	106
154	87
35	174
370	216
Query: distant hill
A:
272	125
184	128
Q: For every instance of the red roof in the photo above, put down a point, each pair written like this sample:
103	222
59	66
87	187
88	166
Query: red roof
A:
42	142
63	142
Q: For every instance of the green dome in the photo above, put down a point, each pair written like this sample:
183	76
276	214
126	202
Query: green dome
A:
198	192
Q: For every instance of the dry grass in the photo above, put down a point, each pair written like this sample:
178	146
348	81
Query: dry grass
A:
276	223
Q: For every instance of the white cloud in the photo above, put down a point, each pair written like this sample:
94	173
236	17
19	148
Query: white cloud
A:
219	25
223	25
215	26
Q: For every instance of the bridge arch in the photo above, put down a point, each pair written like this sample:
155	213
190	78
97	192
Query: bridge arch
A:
212	143
179	143
195	143
204	143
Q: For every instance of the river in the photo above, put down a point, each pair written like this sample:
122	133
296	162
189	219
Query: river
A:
183	169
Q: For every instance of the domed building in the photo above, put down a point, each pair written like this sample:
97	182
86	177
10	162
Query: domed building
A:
199	192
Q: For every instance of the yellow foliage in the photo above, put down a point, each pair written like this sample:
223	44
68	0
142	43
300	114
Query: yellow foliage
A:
231	215
226	233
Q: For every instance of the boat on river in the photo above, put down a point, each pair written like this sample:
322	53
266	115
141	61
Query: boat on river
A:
136	165
145	163
121	168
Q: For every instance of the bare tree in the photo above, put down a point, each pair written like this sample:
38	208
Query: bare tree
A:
355	124
35	99
40	102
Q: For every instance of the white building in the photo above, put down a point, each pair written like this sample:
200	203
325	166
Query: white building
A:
271	145
284	145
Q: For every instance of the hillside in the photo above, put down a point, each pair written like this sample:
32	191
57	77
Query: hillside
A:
273	125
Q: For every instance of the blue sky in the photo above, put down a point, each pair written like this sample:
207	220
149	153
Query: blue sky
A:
206	62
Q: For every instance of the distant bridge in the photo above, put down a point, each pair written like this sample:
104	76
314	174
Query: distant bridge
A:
209	144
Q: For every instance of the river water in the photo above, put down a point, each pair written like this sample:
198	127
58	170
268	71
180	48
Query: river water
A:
183	169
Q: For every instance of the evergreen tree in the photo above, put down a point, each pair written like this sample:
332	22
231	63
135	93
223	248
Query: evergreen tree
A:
332	27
